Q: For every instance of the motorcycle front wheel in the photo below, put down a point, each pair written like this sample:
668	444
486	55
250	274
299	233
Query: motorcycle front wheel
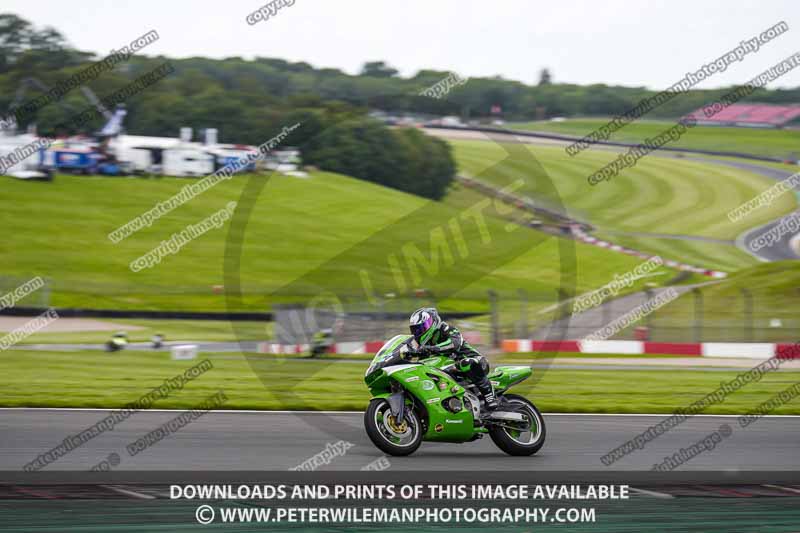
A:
389	436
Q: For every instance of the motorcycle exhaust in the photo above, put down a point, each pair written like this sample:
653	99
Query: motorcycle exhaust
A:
506	416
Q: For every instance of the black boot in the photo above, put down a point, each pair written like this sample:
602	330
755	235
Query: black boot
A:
489	399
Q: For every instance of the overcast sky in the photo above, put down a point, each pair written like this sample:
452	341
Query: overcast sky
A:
650	43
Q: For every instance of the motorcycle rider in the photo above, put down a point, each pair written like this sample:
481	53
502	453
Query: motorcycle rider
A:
322	341
435	336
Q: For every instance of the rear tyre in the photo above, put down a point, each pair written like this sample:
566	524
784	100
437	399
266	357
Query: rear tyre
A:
390	437
520	442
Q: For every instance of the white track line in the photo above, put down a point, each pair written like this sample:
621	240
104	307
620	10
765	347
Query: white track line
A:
788	489
129	493
257	411
652	493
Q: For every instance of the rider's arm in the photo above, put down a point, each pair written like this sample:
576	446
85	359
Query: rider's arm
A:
452	343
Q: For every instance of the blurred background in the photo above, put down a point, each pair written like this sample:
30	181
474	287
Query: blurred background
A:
398	158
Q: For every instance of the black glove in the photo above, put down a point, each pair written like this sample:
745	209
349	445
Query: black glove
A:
412	353
462	360
426	350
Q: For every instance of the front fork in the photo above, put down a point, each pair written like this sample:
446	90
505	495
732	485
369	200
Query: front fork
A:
397	403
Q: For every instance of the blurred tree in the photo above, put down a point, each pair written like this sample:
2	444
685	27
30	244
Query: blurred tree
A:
403	159
19	40
544	77
378	69
249	101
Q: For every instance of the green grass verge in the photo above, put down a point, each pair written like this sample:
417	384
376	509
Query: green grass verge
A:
767	142
91	379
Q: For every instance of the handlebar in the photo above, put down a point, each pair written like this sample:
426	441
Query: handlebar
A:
417	353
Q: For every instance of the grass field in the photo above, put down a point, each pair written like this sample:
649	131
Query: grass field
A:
657	196
302	236
92	379
780	144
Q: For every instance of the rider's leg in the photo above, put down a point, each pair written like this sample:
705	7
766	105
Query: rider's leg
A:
477	370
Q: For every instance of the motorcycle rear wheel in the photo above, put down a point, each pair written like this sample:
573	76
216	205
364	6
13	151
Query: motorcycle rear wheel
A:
521	443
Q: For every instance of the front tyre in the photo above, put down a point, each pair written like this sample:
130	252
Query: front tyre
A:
389	436
515	442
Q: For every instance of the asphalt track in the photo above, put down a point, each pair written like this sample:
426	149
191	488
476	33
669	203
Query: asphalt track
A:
278	441
780	250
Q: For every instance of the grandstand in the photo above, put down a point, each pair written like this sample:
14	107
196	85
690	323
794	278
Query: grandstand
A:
747	115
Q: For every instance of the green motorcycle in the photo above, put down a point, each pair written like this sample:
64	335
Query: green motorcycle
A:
428	400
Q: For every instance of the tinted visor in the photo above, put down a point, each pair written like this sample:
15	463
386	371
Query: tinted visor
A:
418	330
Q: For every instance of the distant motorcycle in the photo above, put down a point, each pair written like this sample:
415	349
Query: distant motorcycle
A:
321	342
157	341
429	400
117	342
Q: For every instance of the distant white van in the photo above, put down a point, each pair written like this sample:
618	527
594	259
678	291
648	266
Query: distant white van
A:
186	161
10	143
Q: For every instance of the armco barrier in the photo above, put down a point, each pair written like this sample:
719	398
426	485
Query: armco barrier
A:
750	350
354	347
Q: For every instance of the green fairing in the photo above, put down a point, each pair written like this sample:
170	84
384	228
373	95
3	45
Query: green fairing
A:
503	377
424	382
